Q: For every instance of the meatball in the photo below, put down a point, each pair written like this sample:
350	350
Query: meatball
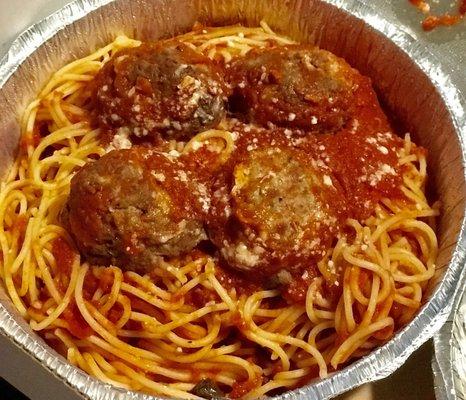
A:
276	211
132	207
295	86
159	89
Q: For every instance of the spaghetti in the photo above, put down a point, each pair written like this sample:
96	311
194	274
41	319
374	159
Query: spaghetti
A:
152	332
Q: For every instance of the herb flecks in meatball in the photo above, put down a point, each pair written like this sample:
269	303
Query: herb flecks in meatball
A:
294	86
132	207
158	90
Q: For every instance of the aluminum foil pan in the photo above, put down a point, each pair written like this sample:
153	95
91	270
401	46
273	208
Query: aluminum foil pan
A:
449	362
410	79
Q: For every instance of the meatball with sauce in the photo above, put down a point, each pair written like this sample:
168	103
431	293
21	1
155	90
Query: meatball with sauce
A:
156	90
294	86
275	211
132	207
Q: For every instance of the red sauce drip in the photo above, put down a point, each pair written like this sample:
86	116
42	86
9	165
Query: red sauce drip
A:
64	256
463	7
421	4
433	21
77	325
240	389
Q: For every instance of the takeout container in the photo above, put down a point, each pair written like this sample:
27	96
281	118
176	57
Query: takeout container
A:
410	81
449	361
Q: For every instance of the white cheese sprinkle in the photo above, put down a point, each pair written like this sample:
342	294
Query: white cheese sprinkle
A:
328	180
382	149
158	176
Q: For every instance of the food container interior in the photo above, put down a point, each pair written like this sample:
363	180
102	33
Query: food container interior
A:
406	91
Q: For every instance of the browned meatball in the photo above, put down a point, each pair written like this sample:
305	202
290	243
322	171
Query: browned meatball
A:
157	89
275	212
131	207
294	86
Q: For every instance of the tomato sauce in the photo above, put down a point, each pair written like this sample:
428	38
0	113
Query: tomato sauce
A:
361	158
463	7
295	292
76	323
421	5
237	321
91	283
30	139
200	296
64	256
235	280
433	21
19	225
106	278
240	389
115	313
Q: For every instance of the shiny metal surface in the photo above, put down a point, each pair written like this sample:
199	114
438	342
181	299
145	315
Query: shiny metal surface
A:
411	81
449	361
459	348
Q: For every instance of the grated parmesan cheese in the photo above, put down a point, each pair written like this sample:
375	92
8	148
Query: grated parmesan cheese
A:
120	140
158	176
328	180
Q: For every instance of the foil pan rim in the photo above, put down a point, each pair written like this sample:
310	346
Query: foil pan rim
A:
425	324
442	363
450	349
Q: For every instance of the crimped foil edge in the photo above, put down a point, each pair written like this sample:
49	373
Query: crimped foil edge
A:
394	353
